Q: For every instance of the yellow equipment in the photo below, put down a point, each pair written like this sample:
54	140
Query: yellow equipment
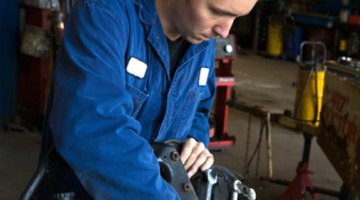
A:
310	86
275	37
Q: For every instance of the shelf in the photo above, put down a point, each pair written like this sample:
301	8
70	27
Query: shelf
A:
349	27
315	19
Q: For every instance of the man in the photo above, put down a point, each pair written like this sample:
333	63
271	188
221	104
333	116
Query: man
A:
129	73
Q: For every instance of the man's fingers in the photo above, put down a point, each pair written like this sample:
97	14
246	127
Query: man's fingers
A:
204	161
187	149
198	161
208	163
195	154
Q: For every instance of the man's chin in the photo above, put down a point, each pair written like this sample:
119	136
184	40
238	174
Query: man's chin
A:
195	40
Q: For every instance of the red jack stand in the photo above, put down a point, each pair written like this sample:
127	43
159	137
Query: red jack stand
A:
301	184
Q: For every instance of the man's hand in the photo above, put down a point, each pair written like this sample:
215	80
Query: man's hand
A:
195	155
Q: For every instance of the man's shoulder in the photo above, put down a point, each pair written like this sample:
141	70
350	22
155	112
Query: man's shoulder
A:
107	4
118	9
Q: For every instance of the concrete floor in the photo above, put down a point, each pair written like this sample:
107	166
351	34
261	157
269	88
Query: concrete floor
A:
260	81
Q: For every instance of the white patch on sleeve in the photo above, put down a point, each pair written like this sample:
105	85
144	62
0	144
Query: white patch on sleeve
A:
204	73
136	67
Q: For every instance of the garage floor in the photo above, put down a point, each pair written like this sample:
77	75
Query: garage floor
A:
259	82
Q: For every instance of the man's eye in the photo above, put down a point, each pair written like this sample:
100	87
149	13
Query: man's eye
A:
218	13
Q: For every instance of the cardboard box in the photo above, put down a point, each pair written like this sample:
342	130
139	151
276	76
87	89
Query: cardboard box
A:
339	135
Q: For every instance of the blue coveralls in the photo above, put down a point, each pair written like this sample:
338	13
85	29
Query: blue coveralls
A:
112	96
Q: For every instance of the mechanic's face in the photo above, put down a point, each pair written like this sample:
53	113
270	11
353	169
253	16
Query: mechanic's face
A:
199	20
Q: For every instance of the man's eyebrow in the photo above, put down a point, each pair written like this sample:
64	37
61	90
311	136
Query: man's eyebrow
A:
223	12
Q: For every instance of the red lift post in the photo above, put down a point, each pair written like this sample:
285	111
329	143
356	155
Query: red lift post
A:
224	82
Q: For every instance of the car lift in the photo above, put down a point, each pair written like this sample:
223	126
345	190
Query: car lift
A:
224	82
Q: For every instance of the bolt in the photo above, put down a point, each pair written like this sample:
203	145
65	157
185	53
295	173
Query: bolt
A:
174	156
186	187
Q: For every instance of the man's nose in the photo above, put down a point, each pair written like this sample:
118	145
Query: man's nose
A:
223	28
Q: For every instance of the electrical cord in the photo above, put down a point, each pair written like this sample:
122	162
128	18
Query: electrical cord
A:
257	148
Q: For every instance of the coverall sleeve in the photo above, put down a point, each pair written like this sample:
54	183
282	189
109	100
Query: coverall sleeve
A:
91	111
200	127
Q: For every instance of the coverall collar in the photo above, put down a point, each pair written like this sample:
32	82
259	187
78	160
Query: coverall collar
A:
149	16
147	11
